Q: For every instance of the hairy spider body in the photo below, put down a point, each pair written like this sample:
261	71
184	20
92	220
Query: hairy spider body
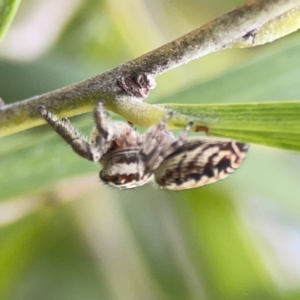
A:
130	159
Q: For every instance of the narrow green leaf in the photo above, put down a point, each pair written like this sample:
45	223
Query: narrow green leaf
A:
8	9
271	76
275	124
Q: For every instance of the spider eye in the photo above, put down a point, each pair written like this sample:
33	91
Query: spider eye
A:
110	179
116	180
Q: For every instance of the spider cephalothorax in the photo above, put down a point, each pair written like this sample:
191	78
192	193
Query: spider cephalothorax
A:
130	159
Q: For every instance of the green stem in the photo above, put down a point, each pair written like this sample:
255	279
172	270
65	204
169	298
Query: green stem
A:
81	97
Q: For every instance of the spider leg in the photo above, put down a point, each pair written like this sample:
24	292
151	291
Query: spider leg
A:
187	128
155	134
101	120
101	132
68	132
156	141
131	124
179	141
160	144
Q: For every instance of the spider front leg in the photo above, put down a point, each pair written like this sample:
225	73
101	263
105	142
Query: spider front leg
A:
101	121
102	134
69	133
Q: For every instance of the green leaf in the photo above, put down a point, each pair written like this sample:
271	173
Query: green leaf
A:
36	158
32	160
8	9
270	76
275	124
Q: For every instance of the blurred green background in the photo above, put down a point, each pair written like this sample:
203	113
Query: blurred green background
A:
64	235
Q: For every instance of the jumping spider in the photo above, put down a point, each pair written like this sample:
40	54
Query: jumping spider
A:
130	159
